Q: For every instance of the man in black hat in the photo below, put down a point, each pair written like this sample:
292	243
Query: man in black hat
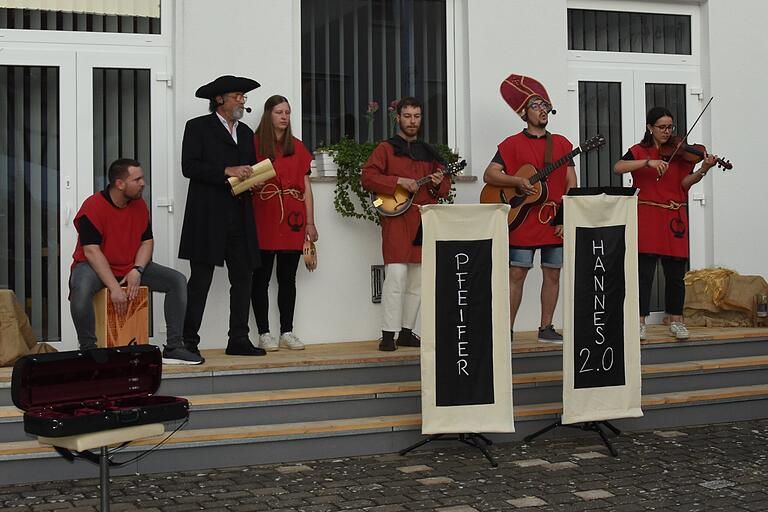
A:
219	227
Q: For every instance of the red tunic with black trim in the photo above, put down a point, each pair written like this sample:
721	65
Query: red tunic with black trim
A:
121	230
521	149
278	207
379	175
660	230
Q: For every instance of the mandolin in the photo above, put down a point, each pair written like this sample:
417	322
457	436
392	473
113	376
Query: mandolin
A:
397	204
521	203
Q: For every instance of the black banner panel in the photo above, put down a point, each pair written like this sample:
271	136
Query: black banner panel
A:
598	307
463	323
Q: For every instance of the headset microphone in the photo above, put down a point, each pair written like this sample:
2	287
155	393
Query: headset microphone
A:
248	109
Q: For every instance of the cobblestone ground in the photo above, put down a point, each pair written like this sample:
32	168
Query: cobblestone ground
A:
721	467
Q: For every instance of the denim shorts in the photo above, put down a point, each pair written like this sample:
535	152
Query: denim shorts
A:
551	257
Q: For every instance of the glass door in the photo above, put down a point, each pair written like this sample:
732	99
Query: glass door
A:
38	186
614	101
64	117
122	110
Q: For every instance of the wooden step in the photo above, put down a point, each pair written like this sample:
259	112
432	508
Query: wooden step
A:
11	413
366	352
213	435
386	423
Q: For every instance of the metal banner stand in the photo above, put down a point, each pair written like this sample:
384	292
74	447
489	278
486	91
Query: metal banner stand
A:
588	426
470	439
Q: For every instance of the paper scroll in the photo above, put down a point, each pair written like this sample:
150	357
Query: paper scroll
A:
260	173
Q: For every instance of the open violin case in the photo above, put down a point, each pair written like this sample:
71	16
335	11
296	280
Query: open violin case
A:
77	392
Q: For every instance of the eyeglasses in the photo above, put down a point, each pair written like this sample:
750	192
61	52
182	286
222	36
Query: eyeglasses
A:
540	106
238	96
665	127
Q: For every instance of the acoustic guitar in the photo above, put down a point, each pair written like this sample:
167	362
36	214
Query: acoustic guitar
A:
520	202
397	204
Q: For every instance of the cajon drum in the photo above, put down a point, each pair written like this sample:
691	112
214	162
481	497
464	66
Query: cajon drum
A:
113	330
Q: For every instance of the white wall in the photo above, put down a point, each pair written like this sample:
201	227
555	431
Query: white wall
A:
738	43
256	38
526	37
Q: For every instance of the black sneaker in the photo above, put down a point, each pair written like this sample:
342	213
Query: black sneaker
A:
243	347
192	347
548	334
180	355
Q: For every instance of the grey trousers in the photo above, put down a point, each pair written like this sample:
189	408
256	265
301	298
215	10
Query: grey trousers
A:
84	283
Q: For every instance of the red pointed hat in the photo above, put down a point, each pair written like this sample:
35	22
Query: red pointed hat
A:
517	91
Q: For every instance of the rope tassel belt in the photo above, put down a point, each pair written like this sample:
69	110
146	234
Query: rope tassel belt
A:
271	190
672	205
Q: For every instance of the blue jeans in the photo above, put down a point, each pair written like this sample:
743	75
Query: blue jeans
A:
551	257
84	283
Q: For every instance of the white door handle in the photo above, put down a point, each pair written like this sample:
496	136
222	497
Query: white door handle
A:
700	197
67	213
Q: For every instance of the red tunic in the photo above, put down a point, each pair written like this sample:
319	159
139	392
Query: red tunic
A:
655	225
121	230
379	175
521	149
279	208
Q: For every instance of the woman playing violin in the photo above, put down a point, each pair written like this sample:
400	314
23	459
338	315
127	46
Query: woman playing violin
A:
662	214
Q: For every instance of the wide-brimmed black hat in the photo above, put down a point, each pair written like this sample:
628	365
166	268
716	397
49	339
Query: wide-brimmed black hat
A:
225	84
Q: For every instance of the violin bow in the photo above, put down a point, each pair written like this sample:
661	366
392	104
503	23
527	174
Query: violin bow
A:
682	141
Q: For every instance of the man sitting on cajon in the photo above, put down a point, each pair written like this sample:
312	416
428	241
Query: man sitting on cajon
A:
114	249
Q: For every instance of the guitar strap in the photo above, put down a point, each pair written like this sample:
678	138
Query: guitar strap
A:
548	150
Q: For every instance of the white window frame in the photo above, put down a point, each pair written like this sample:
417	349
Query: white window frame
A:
38	37
694	11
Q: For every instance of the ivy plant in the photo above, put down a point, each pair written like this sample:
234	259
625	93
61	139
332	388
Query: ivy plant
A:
350	198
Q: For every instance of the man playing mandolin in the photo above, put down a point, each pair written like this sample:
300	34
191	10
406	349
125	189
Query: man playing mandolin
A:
399	162
536	147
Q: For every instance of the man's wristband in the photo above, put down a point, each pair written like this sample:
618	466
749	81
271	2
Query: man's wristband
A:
647	162
139	268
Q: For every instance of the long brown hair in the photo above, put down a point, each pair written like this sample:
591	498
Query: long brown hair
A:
266	130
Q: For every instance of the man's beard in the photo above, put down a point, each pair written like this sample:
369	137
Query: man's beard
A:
409	131
237	113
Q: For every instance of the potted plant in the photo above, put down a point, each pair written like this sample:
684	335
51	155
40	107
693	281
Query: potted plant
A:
350	199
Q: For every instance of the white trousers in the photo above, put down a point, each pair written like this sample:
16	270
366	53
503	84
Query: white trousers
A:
401	296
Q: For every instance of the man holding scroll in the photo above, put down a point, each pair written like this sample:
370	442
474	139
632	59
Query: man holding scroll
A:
219	227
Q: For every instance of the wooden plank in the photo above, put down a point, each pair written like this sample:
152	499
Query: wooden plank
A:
366	352
391	422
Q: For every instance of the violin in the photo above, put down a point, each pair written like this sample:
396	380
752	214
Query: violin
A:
693	153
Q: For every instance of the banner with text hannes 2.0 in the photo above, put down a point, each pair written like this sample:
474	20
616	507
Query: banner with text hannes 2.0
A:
601	353
466	370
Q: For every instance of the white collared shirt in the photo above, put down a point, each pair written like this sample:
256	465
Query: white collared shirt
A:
226	125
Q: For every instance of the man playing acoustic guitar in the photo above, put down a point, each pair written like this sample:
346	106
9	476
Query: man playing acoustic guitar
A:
537	147
401	161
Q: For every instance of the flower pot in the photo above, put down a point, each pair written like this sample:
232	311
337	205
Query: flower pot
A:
325	164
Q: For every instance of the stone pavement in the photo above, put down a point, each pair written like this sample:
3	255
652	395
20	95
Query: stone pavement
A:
719	467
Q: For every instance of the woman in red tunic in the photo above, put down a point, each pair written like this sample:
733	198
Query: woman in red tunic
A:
662	215
282	207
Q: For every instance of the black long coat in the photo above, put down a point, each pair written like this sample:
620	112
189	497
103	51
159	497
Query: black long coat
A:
206	150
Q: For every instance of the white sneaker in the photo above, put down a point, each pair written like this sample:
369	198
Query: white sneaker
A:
643	331
290	341
679	330
268	342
